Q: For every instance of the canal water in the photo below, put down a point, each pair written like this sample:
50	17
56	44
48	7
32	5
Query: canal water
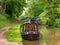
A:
48	36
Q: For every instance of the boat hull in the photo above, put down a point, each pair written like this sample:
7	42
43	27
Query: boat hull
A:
30	36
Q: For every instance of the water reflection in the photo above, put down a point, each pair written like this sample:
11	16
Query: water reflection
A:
50	35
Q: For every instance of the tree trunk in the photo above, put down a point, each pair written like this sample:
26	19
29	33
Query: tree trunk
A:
3	6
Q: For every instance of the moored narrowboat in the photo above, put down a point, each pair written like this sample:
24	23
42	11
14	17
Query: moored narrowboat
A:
30	30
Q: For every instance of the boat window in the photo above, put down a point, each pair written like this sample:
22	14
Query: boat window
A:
24	28
27	27
35	28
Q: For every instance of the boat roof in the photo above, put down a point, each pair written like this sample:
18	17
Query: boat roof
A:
29	23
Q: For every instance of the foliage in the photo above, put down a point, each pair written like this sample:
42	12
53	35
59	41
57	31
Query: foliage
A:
35	7
51	22
15	7
3	21
0	2
54	12
42	9
57	22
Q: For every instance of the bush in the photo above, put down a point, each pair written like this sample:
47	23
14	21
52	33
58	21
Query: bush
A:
51	22
3	21
57	23
14	8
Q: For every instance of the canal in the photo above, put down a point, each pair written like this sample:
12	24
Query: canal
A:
48	36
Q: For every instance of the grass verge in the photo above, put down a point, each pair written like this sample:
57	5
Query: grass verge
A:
3	21
13	33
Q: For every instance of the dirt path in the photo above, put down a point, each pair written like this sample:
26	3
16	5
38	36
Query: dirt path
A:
3	40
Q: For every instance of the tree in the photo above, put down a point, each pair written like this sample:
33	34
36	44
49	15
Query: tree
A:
44	8
15	7
36	7
3	4
53	12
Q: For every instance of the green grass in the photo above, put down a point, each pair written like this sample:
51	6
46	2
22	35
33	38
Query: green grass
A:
13	33
3	21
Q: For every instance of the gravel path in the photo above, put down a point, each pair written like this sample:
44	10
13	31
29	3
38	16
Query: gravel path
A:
3	40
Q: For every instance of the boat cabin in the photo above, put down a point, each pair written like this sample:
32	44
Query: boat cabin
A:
30	31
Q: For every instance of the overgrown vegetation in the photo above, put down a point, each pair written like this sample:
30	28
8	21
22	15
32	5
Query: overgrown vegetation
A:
44	9
4	21
10	10
35	8
13	33
14	8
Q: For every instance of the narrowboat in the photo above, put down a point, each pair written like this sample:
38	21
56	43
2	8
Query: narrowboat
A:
30	30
